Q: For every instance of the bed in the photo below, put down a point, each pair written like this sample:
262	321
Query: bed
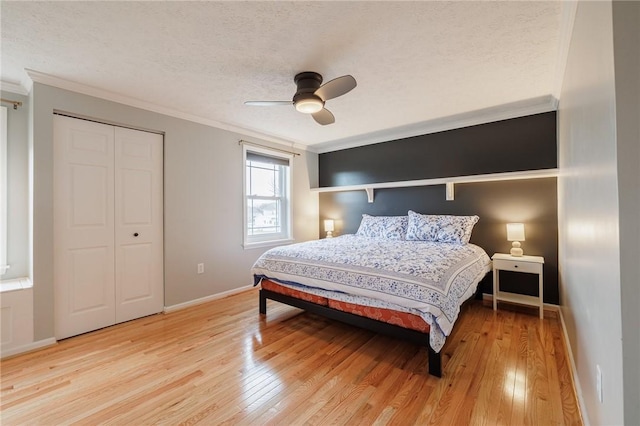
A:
399	275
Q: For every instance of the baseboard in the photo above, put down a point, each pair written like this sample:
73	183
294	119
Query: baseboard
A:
574	372
179	306
28	348
546	306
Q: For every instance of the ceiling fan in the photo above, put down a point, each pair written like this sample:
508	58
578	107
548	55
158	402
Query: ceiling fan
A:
312	94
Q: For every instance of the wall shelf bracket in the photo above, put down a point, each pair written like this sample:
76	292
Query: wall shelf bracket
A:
450	191
369	194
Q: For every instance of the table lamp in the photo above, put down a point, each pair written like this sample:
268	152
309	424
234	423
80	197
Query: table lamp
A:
328	226
515	233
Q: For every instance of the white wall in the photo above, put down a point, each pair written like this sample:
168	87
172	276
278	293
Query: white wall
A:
16	318
588	208
203	200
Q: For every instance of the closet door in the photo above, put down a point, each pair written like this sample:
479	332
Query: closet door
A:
83	223
138	224
108	225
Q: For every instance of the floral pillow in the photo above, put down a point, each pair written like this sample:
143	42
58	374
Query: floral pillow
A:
421	227
440	228
388	227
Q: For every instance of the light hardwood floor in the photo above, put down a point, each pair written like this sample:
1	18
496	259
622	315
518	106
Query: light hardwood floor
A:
222	363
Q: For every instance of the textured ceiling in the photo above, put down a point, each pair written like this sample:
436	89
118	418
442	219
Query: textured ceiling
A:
414	61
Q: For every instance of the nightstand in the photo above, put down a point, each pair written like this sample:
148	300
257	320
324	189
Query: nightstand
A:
527	264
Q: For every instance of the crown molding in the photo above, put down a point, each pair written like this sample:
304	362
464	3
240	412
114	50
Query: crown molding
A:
50	80
18	89
501	112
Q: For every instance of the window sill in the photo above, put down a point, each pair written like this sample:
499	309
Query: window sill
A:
22	283
263	244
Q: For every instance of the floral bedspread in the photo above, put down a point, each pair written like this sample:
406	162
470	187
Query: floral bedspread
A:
425	278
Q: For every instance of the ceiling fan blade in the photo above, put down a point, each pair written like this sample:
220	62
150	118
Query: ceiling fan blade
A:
336	87
268	103
324	117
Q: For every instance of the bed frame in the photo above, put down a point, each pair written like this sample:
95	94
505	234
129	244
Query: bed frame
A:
422	339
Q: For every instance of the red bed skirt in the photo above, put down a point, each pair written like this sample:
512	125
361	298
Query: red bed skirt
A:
402	319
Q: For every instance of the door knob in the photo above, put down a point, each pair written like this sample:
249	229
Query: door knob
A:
135	234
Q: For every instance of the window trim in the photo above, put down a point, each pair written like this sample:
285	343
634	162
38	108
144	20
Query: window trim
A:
4	199
247	241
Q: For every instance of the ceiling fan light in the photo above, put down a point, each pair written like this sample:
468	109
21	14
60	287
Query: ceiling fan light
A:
309	105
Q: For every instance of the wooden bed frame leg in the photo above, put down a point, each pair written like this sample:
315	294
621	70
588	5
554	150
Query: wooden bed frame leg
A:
263	303
435	367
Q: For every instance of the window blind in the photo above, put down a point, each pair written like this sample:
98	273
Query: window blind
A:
267	159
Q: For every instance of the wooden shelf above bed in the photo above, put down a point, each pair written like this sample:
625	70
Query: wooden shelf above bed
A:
448	181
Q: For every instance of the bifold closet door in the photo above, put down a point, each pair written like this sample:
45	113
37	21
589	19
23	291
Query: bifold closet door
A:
107	188
138	224
84	239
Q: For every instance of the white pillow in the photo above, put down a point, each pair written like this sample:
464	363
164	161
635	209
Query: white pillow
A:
440	228
388	227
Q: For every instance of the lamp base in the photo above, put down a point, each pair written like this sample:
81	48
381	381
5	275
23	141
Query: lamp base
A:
329	234
516	251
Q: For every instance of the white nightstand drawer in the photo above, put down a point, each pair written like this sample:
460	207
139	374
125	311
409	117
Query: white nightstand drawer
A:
514	265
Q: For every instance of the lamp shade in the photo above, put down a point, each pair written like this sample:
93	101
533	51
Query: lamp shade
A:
328	225
515	232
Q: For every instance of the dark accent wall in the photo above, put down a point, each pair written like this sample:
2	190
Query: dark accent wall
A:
531	145
525	143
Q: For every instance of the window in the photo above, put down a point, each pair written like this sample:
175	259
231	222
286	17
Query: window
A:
267	197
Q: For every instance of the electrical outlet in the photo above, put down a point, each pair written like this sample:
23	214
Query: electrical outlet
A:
201	268
599	383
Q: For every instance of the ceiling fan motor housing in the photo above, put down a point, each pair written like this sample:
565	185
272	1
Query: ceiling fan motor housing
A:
305	100
307	82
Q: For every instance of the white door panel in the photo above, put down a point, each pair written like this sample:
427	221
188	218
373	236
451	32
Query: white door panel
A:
136	272
139	224
89	280
108	226
89	196
136	192
84	260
